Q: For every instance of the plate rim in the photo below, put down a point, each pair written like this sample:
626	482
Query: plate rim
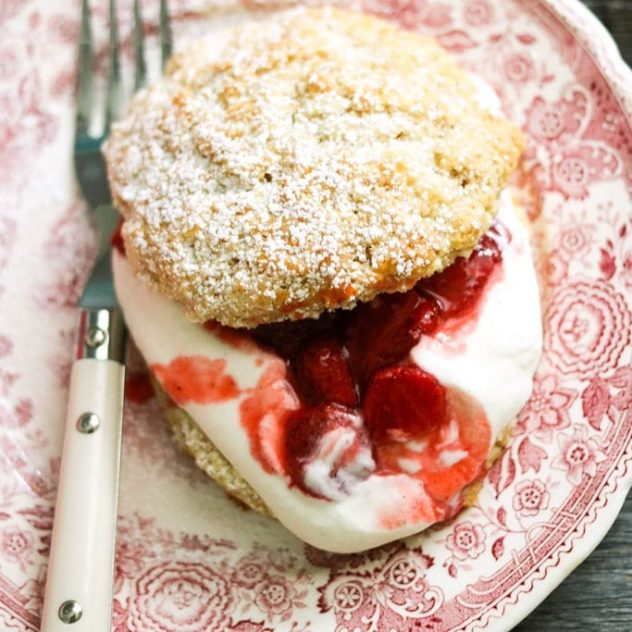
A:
593	37
618	75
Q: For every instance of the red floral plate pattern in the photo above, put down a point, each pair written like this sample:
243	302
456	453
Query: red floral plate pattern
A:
189	559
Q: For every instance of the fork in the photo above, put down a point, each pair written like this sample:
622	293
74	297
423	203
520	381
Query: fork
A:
79	582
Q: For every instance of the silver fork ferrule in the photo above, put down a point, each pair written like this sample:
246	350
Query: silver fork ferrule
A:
101	335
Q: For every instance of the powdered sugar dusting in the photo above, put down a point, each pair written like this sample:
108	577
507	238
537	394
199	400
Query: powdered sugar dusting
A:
304	165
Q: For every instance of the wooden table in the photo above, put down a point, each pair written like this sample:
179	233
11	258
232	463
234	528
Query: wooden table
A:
598	595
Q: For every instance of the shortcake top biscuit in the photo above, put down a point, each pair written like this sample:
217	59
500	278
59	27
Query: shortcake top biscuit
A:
315	160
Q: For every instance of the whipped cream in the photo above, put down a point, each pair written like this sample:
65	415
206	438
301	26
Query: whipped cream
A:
491	359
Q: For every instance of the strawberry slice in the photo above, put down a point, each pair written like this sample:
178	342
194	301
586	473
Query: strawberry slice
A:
386	329
315	433
323	374
459	287
403	403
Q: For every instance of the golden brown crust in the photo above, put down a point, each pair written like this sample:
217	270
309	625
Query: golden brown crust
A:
281	170
192	441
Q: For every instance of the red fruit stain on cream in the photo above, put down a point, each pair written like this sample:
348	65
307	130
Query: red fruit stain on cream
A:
196	380
264	413
446	459
232	337
410	505
458	450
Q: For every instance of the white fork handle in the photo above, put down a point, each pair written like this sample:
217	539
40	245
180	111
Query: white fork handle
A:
81	566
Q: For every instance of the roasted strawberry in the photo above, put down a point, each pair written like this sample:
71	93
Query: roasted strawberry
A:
323	374
385	330
449	457
403	403
332	434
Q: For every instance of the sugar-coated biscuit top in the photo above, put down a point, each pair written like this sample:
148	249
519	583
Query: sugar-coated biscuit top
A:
284	168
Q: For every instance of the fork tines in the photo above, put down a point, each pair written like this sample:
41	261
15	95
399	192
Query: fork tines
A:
84	71
114	94
140	67
114	89
165	33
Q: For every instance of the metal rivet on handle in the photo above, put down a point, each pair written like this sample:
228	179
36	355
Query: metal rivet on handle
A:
70	611
88	423
95	337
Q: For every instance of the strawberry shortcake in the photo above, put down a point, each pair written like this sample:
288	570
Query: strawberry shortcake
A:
322	268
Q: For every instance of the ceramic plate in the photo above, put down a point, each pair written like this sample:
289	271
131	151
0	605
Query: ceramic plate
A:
189	559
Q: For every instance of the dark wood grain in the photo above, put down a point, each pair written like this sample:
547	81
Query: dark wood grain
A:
598	595
616	15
